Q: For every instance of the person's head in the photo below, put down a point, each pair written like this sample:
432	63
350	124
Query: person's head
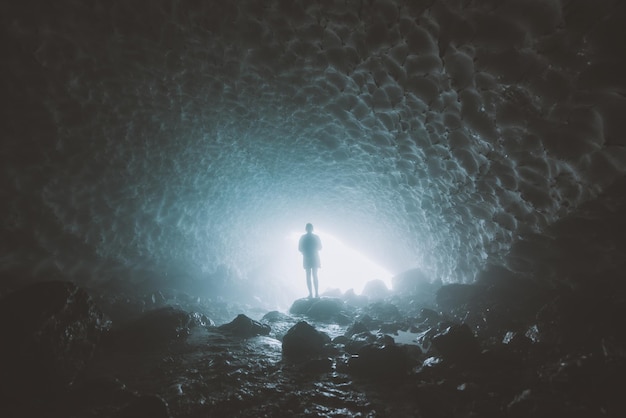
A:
309	227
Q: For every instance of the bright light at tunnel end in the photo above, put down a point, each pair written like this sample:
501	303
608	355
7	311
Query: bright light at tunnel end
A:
343	267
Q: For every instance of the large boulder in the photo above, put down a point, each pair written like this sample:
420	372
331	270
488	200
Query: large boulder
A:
152	328
323	309
244	327
49	332
303	340
301	306
457	344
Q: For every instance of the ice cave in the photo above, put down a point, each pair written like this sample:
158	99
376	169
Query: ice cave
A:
463	163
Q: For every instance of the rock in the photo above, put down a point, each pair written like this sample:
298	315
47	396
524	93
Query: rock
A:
429	316
152	328
301	306
275	316
383	311
375	289
342	318
368	321
356	328
303	340
201	320
424	339
457	343
375	360
358	341
325	308
244	327
49	332
341	339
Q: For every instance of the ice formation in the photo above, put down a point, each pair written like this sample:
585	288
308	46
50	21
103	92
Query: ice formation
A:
176	138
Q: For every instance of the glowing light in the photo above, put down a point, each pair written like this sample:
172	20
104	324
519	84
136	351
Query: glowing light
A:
342	266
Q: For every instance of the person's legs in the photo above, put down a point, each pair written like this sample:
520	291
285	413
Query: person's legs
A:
315	282
308	281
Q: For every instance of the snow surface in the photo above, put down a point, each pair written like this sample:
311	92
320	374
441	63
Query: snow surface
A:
176	138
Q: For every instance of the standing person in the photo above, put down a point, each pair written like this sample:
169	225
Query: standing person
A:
309	245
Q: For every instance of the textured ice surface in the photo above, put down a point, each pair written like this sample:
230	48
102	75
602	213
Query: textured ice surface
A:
179	137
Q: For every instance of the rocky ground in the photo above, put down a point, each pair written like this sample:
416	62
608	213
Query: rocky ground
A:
497	348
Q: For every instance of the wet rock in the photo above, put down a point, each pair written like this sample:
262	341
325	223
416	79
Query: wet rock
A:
245	327
301	306
201	320
341	339
152	328
275	316
358	341
424	339
369	322
376	360
49	333
429	316
323	309
356	328
375	289
457	343
383	311
152	406
303	340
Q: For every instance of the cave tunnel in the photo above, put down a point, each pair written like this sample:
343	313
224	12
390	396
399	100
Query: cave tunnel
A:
463	162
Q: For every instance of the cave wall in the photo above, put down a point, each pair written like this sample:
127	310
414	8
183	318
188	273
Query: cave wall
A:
165	141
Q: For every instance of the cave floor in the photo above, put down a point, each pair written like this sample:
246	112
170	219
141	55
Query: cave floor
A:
210	374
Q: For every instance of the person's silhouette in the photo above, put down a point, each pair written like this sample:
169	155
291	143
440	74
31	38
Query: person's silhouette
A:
309	245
